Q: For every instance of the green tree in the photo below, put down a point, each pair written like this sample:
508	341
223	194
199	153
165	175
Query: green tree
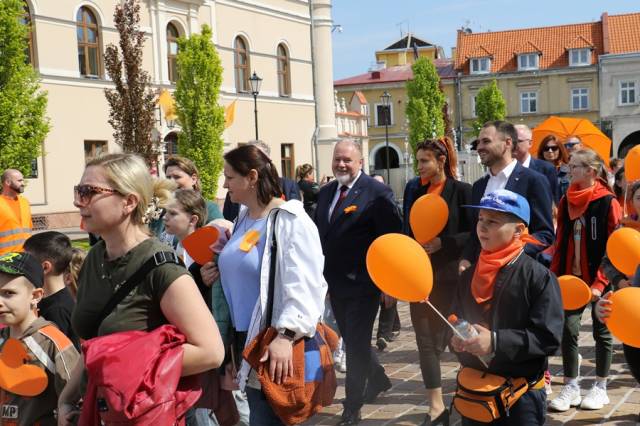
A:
425	104
200	115
23	105
132	103
490	106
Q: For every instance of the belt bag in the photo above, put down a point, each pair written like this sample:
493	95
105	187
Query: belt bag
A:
485	397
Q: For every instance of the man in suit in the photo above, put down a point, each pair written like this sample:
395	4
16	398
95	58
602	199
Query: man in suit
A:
522	154
352	211
496	144
290	188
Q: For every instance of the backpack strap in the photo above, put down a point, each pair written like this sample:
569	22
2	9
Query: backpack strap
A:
272	271
122	291
40	354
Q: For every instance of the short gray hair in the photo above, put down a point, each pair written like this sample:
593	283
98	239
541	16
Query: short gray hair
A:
353	143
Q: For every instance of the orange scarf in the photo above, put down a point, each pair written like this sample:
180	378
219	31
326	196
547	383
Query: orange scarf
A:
434	188
578	200
490	263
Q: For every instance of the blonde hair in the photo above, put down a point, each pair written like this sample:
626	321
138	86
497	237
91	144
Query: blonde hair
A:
303	170
129	175
73	270
590	158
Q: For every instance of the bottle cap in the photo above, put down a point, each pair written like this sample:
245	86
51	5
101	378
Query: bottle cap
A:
452	318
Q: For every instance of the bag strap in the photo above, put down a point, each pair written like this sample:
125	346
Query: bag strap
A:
158	258
272	272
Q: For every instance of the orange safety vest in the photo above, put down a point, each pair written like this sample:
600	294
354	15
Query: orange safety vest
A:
14	230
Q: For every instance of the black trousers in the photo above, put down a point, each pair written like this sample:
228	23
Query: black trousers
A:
529	410
431	337
355	317
388	320
632	356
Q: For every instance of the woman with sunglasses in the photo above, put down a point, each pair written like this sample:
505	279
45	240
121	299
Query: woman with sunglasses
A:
437	164
117	197
553	151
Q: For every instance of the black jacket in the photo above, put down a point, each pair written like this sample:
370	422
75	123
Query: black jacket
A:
526	314
547	169
347	238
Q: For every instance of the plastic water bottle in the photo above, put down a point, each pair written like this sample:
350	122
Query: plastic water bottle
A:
466	330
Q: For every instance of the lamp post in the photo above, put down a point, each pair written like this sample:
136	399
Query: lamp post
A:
386	102
255	83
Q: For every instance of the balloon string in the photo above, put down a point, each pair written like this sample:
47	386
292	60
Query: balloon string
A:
454	330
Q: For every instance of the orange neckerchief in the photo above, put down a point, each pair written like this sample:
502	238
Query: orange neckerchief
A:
578	200
434	188
490	263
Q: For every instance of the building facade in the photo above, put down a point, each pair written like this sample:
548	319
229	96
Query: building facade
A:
285	42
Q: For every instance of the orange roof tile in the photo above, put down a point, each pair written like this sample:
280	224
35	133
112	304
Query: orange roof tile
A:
361	97
624	33
579	43
527	47
551	41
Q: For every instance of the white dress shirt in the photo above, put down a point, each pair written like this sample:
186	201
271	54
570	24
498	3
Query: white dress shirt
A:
499	181
337	194
526	163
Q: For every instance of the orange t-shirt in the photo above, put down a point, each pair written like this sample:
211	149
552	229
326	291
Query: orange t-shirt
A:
14	205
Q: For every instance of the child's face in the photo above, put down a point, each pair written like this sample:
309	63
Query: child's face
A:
496	229
636	201
176	221
17	299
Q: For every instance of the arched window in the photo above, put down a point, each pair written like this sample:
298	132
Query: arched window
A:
171	143
242	66
172	52
284	71
88	34
26	20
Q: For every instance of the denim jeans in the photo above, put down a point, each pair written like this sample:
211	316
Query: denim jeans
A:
261	413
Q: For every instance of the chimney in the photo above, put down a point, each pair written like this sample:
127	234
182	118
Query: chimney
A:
453	52
606	41
375	75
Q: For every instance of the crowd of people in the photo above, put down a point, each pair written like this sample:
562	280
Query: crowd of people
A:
291	254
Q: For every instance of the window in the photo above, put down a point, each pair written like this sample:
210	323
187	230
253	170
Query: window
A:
480	66
579	57
284	71
528	61
627	93
93	149
172	52
473	106
384	115
579	99
241	63
26	20
528	102
287	160
171	144
88	43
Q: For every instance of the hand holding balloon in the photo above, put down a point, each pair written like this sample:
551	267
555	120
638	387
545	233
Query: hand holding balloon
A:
603	307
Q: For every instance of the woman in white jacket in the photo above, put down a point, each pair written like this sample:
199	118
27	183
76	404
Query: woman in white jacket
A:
300	288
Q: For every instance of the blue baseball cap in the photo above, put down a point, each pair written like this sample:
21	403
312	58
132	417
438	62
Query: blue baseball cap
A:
505	201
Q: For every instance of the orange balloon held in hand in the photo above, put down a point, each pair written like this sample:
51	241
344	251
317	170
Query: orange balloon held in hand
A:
428	217
197	244
625	316
623	249
400	268
632	164
575	292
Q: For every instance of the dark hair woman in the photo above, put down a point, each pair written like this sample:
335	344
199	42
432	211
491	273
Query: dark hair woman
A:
553	151
437	162
300	287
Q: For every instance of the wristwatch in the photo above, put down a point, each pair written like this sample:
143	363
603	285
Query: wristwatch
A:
289	334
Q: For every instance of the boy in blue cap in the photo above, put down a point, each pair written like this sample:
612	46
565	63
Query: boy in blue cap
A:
514	304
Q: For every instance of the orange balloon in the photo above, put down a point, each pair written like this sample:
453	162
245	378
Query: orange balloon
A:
197	244
399	266
623	249
625	316
632	164
428	217
18	377
575	292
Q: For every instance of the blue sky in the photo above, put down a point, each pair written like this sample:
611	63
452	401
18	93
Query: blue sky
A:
370	25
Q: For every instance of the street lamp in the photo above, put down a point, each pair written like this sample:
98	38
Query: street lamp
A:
386	102
255	83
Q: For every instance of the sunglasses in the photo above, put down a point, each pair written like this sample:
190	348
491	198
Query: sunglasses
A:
550	149
571	144
83	194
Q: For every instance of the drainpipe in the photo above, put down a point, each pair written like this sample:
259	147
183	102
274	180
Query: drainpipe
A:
314	138
459	110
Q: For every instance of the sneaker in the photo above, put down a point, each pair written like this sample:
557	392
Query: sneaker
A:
382	343
337	355
342	365
595	399
569	397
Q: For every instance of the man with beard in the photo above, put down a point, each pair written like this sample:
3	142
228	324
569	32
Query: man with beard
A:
496	144
15	213
352	211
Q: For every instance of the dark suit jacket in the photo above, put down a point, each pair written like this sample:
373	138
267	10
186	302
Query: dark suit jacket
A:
549	171
345	241
534	187
290	190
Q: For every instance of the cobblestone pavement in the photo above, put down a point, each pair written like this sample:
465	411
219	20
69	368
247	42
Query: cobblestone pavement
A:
405	404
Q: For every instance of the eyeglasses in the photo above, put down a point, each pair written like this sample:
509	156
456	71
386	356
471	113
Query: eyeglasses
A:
82	194
550	149
570	145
